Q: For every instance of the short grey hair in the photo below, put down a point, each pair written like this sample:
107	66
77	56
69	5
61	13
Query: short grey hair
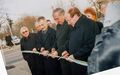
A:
60	10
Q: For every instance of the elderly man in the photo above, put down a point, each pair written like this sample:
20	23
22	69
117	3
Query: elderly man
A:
62	36
81	40
47	37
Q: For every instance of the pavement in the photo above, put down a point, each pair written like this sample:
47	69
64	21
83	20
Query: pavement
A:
13	59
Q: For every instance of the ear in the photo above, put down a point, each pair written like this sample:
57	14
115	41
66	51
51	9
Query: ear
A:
74	17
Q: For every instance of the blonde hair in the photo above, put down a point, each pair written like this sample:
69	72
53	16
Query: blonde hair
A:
23	28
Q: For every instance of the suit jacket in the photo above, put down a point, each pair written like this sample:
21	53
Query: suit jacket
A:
62	36
47	39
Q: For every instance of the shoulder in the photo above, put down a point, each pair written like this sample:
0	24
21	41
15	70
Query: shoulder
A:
99	23
22	40
51	30
57	26
32	34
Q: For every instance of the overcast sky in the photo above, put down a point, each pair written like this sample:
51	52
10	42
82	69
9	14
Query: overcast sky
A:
18	8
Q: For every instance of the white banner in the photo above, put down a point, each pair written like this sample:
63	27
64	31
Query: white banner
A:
2	65
114	71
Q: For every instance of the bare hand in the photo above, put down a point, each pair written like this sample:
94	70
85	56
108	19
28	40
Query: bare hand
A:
53	54
34	49
65	54
70	58
45	52
53	49
42	49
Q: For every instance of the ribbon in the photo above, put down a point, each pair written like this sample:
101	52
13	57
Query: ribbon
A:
80	62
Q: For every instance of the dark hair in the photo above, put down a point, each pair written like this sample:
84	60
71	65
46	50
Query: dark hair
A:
40	18
48	20
60	10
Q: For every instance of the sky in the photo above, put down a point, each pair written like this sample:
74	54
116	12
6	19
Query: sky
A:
19	8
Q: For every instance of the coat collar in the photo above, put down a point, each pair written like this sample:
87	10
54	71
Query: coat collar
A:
79	22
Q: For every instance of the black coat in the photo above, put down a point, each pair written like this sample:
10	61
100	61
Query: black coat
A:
62	36
82	38
34	61
28	43
47	39
9	40
99	26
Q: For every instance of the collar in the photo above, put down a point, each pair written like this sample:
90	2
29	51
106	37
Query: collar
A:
79	22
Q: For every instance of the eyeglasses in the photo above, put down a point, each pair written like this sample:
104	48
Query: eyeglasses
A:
24	32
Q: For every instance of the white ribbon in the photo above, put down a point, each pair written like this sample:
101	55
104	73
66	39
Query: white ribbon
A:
80	62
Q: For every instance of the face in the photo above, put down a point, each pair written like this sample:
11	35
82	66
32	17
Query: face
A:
38	27
59	18
90	16
43	24
69	19
25	32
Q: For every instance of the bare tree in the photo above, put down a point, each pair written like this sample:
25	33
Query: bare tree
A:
27	21
97	4
3	20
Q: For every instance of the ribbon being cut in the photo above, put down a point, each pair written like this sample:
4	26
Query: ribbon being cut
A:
80	62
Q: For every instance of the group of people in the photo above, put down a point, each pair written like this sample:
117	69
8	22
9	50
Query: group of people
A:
74	38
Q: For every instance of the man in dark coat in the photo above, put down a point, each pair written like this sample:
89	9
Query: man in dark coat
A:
47	39
8	40
82	39
28	44
62	36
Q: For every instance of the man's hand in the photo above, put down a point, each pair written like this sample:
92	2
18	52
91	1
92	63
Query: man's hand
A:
65	54
42	49
53	49
70	58
45	52
34	49
53	53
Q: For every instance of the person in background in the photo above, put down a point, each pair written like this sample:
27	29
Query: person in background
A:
91	14
82	39
8	39
62	36
27	43
50	24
